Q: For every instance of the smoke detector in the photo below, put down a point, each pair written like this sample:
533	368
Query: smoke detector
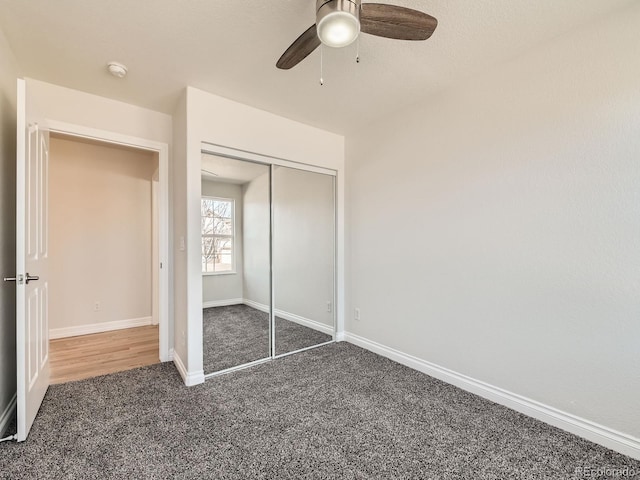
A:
117	69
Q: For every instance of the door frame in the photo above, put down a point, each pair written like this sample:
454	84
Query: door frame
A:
162	149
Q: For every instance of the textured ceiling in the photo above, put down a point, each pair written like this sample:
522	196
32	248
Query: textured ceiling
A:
230	47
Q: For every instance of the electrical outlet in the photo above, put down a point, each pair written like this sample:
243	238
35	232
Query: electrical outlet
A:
356	314
329	307
96	306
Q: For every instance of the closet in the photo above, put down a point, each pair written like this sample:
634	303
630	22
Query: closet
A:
268	260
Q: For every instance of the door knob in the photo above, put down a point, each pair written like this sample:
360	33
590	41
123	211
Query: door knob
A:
29	278
19	279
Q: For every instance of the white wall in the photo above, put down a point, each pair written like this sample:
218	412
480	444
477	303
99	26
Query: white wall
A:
303	243
216	288
99	233
79	108
256	228
8	79
224	122
510	208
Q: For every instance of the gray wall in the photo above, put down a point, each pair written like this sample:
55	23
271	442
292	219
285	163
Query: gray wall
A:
8	77
256	226
303	243
226	286
509	210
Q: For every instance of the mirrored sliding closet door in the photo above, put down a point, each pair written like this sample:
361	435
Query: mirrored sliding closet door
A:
303	259
236	278
268	261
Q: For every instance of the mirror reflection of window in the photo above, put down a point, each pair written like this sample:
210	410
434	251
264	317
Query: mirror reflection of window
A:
217	222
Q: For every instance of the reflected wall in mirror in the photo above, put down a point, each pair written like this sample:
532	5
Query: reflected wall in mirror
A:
303	258
235	224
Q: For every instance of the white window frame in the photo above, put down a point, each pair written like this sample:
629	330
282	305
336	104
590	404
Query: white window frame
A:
232	236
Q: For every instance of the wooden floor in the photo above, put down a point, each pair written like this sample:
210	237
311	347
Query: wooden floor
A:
76	358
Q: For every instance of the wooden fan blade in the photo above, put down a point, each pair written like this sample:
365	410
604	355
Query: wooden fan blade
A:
300	49
400	23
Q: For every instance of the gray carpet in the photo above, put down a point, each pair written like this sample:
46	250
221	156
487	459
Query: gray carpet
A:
333	412
239	334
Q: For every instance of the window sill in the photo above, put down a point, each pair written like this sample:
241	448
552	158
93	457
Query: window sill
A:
207	274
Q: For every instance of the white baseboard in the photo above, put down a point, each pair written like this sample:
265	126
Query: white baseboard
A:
292	317
600	434
306	322
171	355
223	303
7	415
258	306
189	378
98	327
168	357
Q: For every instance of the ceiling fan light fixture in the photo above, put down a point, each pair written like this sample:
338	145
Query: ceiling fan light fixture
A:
338	22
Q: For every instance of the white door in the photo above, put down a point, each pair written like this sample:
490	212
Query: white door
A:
32	321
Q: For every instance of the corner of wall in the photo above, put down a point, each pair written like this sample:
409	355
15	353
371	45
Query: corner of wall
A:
189	378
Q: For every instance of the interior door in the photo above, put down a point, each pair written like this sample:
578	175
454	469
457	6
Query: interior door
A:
32	325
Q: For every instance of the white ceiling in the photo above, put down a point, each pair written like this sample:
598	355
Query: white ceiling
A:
230	47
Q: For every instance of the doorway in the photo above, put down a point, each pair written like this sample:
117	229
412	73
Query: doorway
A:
103	313
160	228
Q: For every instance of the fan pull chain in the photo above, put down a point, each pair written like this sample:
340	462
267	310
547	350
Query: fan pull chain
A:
321	50
358	49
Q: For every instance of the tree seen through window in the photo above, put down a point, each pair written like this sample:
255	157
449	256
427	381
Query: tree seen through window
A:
217	235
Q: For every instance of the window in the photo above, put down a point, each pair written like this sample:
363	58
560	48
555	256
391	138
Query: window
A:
217	222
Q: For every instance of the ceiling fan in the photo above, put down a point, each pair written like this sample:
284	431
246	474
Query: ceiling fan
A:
339	22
